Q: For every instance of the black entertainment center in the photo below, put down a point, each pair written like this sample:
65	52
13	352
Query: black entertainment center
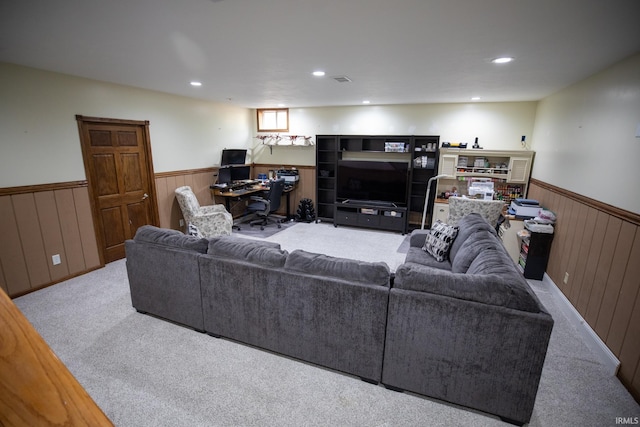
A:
374	181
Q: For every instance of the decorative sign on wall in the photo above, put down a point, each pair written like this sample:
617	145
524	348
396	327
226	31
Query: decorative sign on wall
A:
291	140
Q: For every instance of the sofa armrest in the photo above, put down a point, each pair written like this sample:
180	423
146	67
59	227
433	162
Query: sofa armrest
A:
481	356
417	238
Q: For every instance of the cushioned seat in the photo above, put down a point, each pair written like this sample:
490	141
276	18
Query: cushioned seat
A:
459	207
203	221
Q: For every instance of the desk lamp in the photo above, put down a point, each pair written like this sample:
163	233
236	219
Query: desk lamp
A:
426	199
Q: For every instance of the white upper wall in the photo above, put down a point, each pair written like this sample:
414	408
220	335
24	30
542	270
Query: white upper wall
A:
498	126
585	137
39	140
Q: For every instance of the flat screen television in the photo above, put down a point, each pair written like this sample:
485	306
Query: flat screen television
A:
233	156
371	181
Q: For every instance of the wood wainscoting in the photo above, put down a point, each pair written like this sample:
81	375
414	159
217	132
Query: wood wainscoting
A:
597	248
39	222
166	183
305	188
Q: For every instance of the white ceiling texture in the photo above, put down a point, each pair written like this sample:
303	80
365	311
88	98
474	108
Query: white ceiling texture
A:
261	53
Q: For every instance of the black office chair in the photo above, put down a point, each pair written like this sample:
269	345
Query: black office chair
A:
265	207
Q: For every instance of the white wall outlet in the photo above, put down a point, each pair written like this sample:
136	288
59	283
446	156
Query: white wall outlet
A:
566	278
182	223
56	259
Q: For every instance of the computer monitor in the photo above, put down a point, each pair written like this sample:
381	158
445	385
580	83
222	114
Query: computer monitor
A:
240	173
233	157
224	176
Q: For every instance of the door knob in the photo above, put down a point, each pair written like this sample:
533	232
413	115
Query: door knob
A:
145	196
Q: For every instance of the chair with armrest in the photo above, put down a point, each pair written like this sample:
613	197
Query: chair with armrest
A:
264	207
490	210
208	221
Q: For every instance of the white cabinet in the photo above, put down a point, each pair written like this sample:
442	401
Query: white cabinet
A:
448	164
509	170
510	239
440	212
519	169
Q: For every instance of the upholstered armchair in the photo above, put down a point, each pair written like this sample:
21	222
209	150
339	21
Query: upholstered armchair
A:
205	221
460	207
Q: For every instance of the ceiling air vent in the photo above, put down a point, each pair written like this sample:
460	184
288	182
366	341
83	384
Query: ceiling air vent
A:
342	79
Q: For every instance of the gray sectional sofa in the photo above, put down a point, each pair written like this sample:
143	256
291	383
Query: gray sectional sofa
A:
468	330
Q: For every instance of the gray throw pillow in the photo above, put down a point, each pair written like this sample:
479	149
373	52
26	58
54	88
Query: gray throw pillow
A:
439	240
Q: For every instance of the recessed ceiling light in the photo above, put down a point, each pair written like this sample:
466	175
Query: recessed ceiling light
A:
318	73
475	98
502	60
197	84
366	101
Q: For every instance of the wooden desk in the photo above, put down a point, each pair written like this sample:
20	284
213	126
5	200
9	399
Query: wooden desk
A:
248	192
230	195
37	389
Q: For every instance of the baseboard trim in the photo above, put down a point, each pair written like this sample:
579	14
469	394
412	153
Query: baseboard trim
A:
591	339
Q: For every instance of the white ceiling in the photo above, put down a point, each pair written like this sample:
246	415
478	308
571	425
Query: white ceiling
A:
261	53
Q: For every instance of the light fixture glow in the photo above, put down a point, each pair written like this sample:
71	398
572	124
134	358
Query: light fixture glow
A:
475	98
502	60
366	101
318	73
196	84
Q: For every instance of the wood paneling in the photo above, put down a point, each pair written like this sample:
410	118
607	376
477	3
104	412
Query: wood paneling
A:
305	188
598	245
199	180
12	258
40	222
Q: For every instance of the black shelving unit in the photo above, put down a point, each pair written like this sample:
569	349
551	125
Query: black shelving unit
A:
332	148
326	167
534	254
424	165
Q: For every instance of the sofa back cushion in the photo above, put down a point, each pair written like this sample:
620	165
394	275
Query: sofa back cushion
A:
267	254
170	238
492	261
466	227
478	242
374	273
505	290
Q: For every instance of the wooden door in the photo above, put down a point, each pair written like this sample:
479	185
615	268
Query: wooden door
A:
117	158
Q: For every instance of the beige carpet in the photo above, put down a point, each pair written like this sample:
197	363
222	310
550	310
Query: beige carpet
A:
143	371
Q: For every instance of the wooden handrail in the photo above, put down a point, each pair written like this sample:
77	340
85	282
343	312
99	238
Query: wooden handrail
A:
36	388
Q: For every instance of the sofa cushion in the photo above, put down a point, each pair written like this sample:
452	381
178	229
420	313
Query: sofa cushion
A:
492	261
439	240
374	273
467	226
476	243
168	237
506	290
418	256
267	254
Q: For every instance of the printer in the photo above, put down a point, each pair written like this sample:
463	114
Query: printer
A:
525	208
291	176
